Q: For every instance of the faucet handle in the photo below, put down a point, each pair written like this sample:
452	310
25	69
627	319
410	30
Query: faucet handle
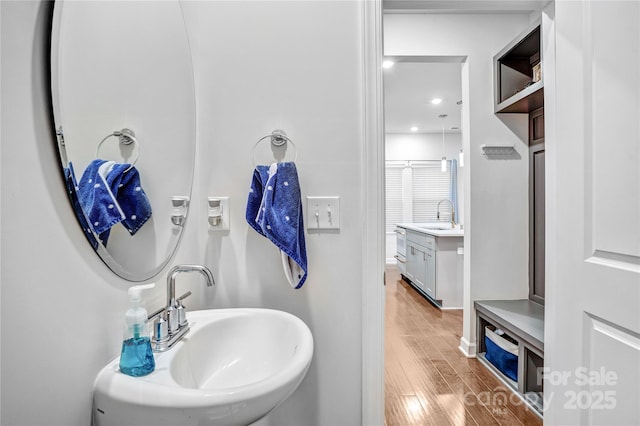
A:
156	314
184	296
182	316
161	329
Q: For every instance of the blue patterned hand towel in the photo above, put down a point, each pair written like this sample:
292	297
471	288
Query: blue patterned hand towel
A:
97	201
72	190
258	182
274	210
124	181
110	194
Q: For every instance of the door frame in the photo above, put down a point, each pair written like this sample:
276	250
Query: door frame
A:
372	190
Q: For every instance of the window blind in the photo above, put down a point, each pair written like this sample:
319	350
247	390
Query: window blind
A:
393	196
429	186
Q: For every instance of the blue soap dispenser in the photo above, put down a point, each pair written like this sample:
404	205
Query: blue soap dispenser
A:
136	358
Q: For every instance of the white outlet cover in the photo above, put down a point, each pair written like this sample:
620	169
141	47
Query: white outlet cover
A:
225	222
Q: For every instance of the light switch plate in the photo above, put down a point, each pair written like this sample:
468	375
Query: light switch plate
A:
223	214
323	212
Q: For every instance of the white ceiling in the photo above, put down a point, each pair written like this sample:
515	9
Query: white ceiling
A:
410	85
408	90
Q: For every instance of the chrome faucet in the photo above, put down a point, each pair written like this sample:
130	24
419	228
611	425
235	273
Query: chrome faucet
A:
453	212
171	280
171	322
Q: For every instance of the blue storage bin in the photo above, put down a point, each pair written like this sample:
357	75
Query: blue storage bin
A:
502	354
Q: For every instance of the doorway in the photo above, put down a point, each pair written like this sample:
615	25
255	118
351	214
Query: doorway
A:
428	380
423	126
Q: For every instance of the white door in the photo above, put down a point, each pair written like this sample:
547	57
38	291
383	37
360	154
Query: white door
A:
592	327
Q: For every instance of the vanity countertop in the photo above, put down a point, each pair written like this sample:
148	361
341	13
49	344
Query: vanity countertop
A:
430	229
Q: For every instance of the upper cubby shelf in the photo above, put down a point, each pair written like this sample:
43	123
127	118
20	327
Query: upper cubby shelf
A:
518	84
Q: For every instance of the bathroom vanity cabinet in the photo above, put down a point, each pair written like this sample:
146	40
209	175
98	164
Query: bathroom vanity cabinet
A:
434	264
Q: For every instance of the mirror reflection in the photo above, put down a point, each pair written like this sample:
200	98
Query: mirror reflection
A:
124	108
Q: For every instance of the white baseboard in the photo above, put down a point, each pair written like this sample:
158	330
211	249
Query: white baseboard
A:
391	261
467	348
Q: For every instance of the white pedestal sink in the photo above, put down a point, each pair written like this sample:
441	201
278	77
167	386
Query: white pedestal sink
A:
232	368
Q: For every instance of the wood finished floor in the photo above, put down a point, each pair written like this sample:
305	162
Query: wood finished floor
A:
427	379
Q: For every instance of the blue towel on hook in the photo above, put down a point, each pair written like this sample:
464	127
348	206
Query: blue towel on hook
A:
124	181
274	210
98	201
110	193
258	182
72	189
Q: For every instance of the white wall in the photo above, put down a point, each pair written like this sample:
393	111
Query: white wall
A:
293	66
421	146
495	192
260	66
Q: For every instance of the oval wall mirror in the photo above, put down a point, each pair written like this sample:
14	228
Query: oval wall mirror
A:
123	102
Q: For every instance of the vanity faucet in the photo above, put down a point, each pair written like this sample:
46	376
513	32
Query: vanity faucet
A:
170	322
453	212
173	273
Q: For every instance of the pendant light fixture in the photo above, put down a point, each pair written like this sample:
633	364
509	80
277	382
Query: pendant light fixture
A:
443	162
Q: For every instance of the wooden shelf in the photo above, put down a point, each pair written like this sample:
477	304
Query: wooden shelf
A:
516	90
527	100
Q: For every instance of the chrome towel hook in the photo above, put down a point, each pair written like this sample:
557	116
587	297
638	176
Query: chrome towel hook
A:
278	139
126	137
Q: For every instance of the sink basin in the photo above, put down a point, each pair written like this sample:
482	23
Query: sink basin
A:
434	225
444	231
232	368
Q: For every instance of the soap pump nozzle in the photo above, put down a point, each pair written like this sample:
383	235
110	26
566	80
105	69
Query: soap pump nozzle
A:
136	358
134	291
136	316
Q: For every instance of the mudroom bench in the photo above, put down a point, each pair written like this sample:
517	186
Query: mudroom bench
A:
511	345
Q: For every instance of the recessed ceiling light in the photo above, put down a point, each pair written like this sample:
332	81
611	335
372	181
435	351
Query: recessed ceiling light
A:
386	64
436	101
414	129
